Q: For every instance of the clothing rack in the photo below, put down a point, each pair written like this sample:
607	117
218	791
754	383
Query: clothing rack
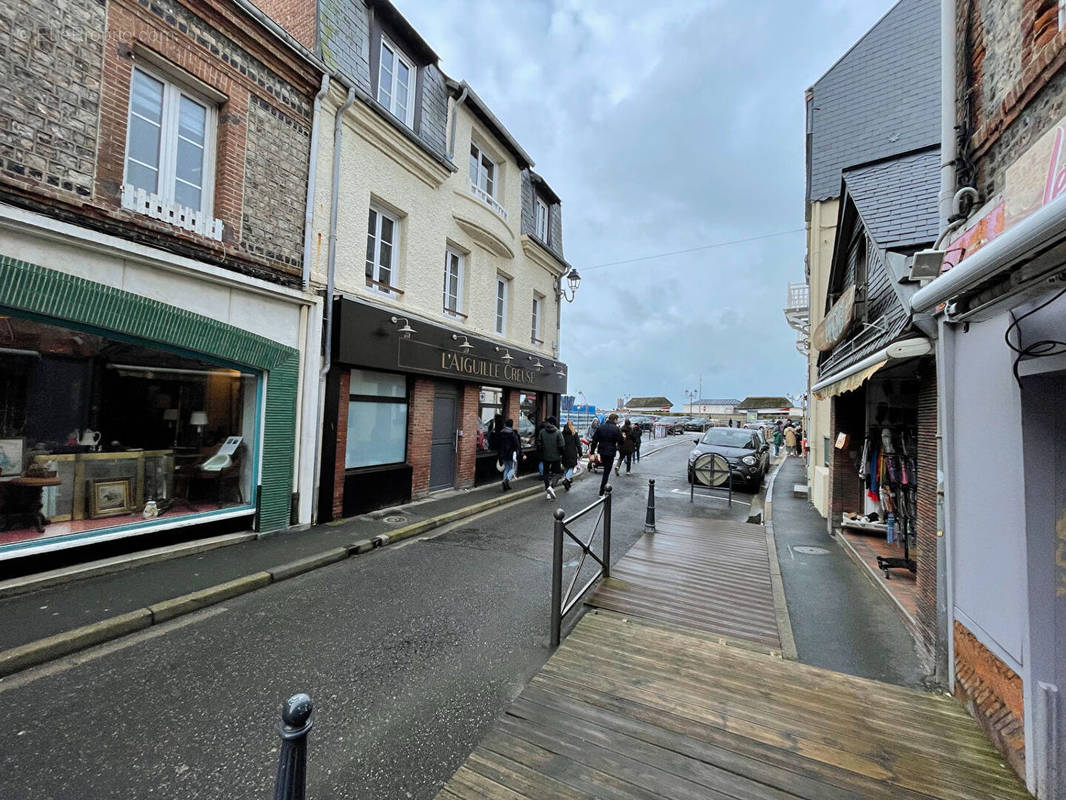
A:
898	452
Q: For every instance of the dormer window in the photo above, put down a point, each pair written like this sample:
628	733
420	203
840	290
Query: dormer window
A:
482	171
542	220
396	82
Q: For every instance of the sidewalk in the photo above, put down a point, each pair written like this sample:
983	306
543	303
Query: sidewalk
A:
841	621
75	602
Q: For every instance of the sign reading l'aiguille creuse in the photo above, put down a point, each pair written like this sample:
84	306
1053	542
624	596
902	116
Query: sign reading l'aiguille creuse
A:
832	328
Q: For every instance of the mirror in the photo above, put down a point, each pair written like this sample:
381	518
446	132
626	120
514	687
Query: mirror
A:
696	440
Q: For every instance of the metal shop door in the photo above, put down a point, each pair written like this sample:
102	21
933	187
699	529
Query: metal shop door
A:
445	438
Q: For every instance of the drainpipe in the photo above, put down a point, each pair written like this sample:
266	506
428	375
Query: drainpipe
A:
331	269
309	206
455	116
944	657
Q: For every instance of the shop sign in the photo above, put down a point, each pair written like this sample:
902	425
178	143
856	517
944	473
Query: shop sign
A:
832	328
482	368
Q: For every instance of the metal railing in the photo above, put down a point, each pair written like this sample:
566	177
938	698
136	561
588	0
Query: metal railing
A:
562	605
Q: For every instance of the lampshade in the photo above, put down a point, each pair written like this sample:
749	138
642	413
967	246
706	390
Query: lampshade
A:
198	418
170	414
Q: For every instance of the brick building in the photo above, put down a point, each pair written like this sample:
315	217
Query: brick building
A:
153	313
442	250
1000	323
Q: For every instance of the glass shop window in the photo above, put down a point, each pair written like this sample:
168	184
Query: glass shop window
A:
99	432
527	417
490	417
377	419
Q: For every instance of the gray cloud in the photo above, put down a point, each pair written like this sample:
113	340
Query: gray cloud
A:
662	127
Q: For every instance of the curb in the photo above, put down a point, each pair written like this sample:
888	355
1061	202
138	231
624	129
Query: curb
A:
16	659
777	584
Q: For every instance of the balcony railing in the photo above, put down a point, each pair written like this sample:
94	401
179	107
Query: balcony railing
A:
798	297
488	200
151	205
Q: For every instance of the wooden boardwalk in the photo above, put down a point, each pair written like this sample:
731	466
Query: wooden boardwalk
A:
658	701
706	575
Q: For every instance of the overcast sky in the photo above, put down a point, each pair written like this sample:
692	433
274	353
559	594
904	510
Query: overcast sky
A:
663	127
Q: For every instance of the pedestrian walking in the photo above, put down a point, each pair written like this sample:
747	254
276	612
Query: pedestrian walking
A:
537	448
638	434
790	440
571	453
778	439
509	450
594	423
799	440
625	449
606	441
551	452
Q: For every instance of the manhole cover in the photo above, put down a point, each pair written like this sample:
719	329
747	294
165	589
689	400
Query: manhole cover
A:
395	520
810	550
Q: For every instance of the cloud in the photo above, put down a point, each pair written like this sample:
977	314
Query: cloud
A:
662	127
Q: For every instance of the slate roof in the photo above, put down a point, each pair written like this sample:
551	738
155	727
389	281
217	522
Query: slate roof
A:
897	199
765	402
649	402
880	99
703	401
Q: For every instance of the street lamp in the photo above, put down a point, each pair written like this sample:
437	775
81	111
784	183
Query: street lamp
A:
573	280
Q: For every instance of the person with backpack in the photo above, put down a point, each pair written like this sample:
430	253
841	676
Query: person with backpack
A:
637	434
509	449
551	444
571	453
606	440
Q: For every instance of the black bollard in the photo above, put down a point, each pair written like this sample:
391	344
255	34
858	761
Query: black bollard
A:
649	520
557	577
607	533
292	762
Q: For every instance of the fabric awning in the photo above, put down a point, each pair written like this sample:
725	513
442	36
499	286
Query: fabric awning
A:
857	374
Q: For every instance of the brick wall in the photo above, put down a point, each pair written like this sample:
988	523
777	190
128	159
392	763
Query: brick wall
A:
420	433
992	692
342	442
50	94
511	408
295	16
276	155
466	459
926	612
847	415
1011	82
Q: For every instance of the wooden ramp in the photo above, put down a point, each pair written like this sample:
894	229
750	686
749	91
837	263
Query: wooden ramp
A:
705	575
631	709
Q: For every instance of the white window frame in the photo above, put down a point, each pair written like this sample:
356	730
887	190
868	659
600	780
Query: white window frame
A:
163	204
481	179
542	219
536	314
409	118
389	289
502	291
459	257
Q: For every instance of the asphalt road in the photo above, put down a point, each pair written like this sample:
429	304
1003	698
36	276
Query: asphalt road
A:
409	653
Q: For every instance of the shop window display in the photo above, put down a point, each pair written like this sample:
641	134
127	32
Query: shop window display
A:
490	417
97	432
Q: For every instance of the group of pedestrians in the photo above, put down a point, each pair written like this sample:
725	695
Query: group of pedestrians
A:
788	435
558	451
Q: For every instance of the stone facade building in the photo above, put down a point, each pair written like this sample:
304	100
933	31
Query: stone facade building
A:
153	172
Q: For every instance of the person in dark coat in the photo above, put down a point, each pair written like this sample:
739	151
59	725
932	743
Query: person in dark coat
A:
571	453
637	434
509	450
606	440
551	452
625	449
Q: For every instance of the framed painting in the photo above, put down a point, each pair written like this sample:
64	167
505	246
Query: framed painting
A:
11	456
109	497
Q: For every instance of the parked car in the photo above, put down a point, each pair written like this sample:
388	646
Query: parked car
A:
675	426
745	449
698	424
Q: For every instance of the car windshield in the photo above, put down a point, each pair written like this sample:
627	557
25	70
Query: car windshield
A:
730	437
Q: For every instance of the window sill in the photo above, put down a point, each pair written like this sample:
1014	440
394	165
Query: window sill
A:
448	312
537	342
151	205
383	288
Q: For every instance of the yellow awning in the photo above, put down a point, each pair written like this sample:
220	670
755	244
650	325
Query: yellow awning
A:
849	382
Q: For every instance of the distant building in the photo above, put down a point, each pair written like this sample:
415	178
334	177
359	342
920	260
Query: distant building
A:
767	407
646	404
720	407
